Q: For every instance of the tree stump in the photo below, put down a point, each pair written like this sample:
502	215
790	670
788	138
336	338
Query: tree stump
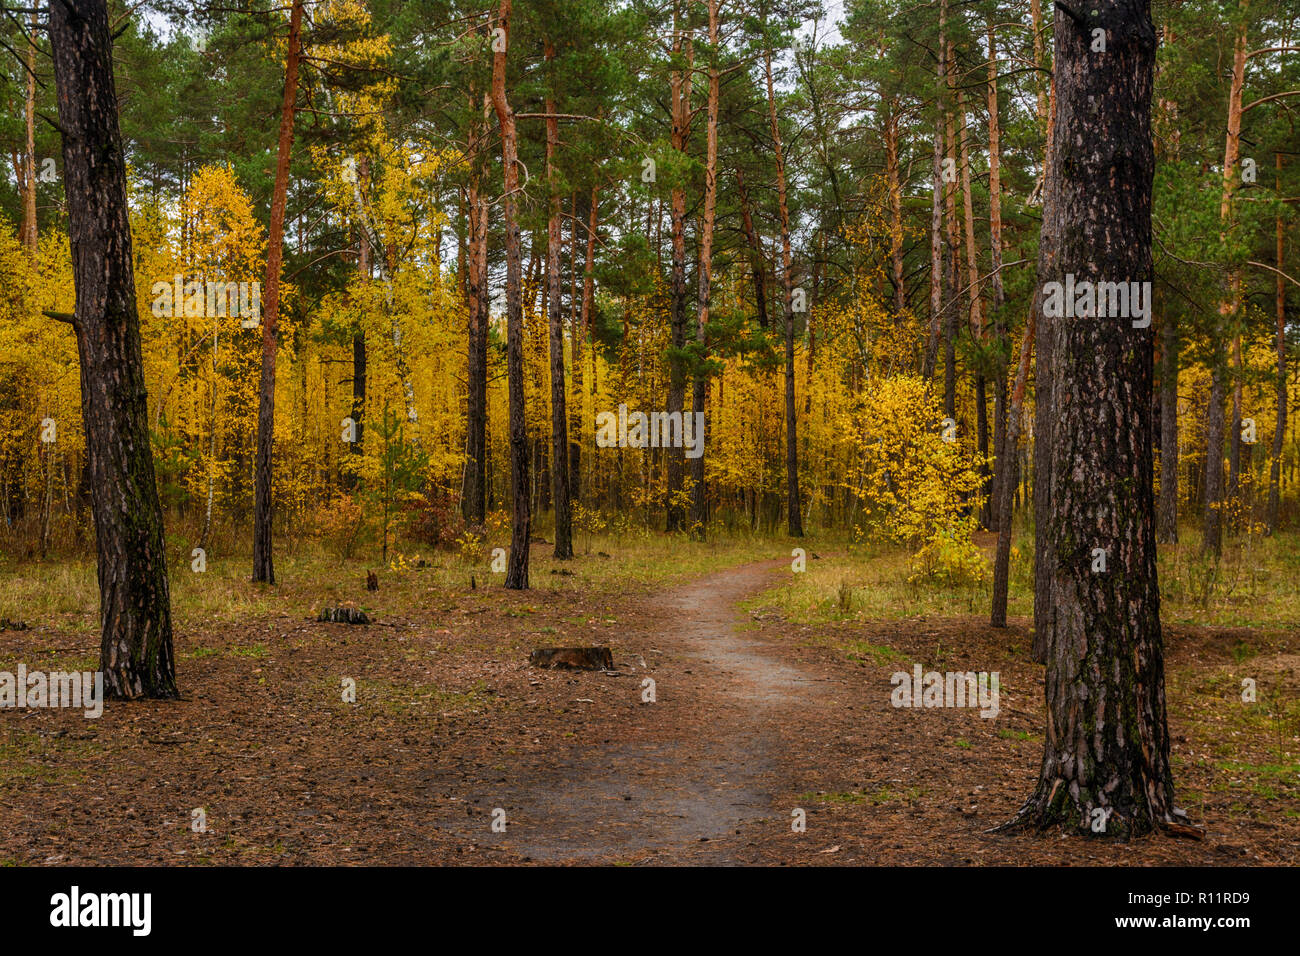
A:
343	615
573	658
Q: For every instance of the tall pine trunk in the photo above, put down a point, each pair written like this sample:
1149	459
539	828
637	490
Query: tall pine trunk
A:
794	516
581	331
1212	538
27	178
1167	509
1043	417
136	655
1105	765
1279	428
555	321
1006	484
1001	463
699	501
680	92
263	563
474	496
521	525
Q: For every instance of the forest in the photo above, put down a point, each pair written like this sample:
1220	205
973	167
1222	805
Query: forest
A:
871	419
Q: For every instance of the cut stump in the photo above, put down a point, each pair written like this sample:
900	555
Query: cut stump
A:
573	658
343	615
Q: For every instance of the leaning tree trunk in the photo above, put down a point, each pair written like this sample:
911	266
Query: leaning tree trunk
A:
521	525
263	564
1105	765
135	606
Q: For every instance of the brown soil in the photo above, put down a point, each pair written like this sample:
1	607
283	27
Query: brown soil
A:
452	724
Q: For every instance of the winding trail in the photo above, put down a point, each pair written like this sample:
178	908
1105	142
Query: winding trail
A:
710	768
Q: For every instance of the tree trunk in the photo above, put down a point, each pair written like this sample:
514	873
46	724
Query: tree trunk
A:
263	564
1007	483
976	316
555	318
680	89
474	497
1167	513
794	516
757	270
27	180
699	513
953	253
895	213
1234	435
1043	417
580	335
358	412
1106	759
136	654
1001	462
1212	542
521	526
936	256
1279	428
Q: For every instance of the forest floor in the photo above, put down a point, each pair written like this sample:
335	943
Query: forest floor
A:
758	712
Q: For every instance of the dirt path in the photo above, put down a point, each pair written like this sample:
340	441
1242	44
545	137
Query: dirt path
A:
709	769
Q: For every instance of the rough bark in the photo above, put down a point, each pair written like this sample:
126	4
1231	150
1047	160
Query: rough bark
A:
1106	755
136	655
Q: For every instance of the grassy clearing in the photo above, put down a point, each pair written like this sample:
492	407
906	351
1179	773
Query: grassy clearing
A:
1255	584
63	595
